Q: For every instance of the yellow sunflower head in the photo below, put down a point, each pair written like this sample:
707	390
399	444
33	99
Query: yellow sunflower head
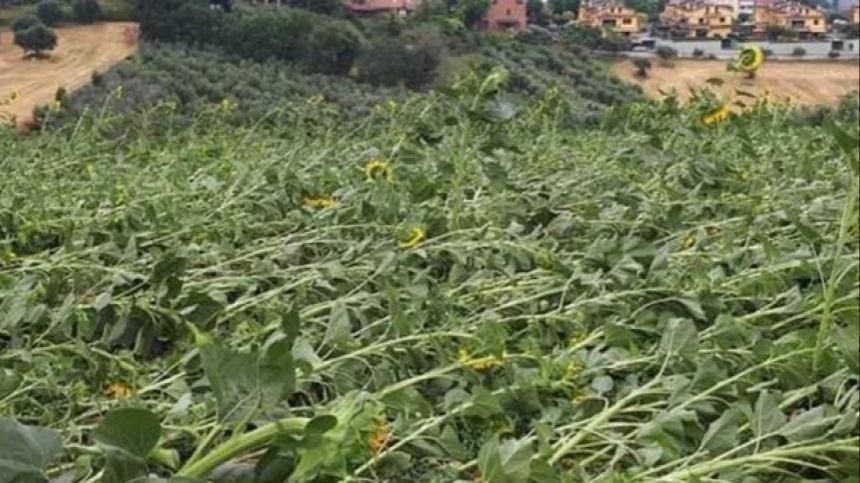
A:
317	99
716	115
118	390
750	58
689	241
320	201
380	436
378	168
416	236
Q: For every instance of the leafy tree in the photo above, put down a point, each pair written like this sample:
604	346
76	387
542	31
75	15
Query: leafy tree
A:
391	61
558	7
333	48
536	12
25	22
798	52
666	54
778	32
326	7
36	39
50	12
652	8
87	11
472	11
642	65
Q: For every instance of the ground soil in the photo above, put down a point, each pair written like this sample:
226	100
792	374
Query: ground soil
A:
804	82
81	49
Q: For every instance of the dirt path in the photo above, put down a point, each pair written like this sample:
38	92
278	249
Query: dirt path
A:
804	82
81	50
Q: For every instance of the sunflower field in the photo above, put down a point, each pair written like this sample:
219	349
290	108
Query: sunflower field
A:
455	286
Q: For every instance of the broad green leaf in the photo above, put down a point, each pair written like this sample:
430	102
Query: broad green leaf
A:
28	445
484	404
508	461
806	425
680	339
722	434
234	378
134	431
767	417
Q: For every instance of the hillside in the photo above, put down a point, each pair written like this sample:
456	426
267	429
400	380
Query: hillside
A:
82	50
806	83
280	246
434	289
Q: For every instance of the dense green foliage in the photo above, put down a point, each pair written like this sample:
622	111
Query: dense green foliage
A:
87	11
50	12
35	40
185	80
166	87
647	300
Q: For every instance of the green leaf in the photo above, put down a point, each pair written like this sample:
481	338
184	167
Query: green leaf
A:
234	379
680	339
131	430
767	417
806	425
505	462
9	381
484	404
339	333
25	451
722	434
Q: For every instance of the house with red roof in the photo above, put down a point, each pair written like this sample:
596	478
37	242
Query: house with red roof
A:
505	15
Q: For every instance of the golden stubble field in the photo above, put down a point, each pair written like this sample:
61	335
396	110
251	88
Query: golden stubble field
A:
804	82
81	50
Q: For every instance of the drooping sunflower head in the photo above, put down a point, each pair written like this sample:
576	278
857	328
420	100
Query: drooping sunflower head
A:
380	436
320	201
379	169
416	236
750	58
716	115
118	390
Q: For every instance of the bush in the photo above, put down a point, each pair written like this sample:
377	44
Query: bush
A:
36	39
833	54
698	52
767	53
642	65
87	11
798	52
333	48
664	52
389	61
50	12
25	22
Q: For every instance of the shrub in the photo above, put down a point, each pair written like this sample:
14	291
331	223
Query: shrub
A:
642	65
36	39
666	54
833	54
388	61
87	11
698	52
798	52
50	12
767	53
333	48
25	22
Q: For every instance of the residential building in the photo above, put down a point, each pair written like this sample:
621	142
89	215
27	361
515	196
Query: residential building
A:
609	15
808	22
697	20
505	15
855	14
369	8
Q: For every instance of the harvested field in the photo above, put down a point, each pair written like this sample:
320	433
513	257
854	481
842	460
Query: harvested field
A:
804	82
81	50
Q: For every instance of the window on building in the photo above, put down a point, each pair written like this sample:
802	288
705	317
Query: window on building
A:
815	22
722	19
508	12
627	21
701	21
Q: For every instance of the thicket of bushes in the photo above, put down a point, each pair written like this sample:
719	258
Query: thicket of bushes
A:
171	84
318	43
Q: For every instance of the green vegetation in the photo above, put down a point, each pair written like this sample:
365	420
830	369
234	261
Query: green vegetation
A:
87	11
454	285
36	39
50	12
262	250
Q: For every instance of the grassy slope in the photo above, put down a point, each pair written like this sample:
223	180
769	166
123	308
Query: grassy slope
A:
642	280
